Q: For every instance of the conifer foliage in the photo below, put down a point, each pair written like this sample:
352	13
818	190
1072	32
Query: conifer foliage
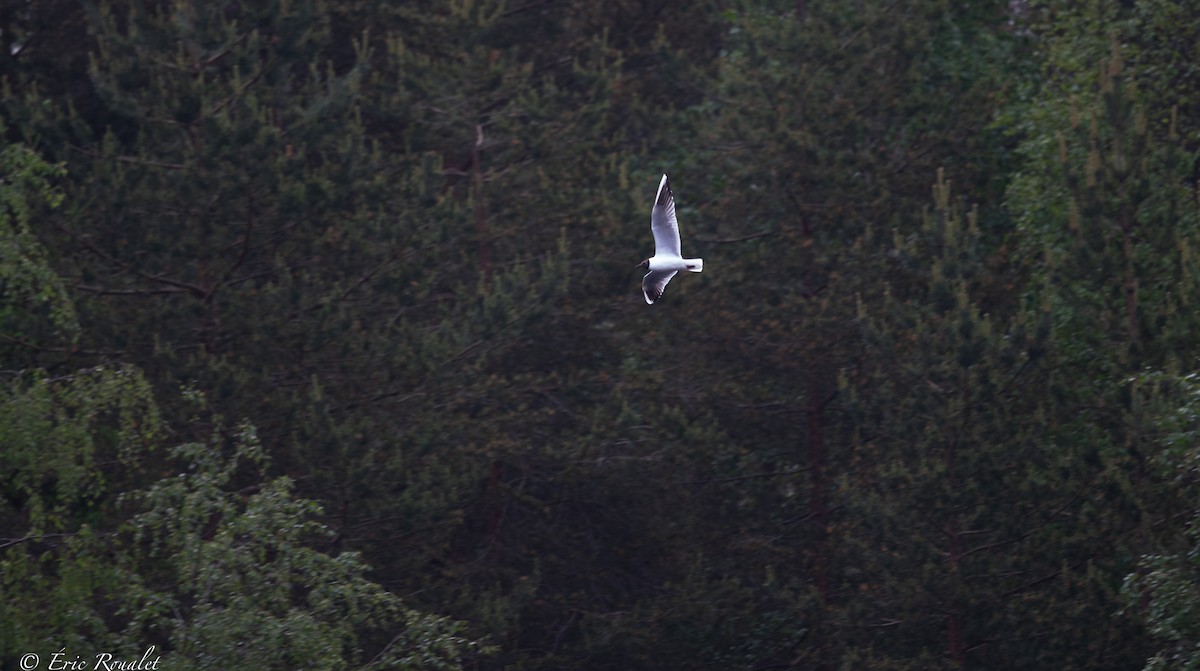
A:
323	347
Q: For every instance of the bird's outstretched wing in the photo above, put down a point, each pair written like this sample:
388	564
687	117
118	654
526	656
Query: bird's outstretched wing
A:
655	283
663	223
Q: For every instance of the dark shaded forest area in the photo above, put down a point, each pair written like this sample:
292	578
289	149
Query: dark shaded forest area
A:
322	344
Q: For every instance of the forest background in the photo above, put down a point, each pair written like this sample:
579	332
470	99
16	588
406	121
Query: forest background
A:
322	345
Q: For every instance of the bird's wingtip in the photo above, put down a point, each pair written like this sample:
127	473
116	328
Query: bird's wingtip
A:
663	187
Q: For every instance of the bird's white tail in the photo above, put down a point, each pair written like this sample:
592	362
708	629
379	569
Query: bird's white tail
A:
695	265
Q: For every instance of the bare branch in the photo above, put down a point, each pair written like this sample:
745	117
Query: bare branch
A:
744	238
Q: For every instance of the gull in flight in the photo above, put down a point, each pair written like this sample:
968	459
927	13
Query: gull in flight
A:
667	259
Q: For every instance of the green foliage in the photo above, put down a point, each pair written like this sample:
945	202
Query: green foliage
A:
60	430
1156	38
28	284
200	564
1162	589
1117	206
822	136
69	443
962	494
397	238
1107	200
210	562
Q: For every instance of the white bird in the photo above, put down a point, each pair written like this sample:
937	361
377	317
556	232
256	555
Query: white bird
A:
667	259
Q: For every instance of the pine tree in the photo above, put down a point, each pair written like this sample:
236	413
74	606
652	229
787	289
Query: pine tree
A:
826	122
1105	201
970	553
198	568
279	211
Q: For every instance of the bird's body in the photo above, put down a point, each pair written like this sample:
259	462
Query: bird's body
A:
667	259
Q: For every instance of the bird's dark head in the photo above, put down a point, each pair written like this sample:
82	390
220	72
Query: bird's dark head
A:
644	264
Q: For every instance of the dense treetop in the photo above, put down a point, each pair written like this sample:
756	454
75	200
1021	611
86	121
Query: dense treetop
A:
323	347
